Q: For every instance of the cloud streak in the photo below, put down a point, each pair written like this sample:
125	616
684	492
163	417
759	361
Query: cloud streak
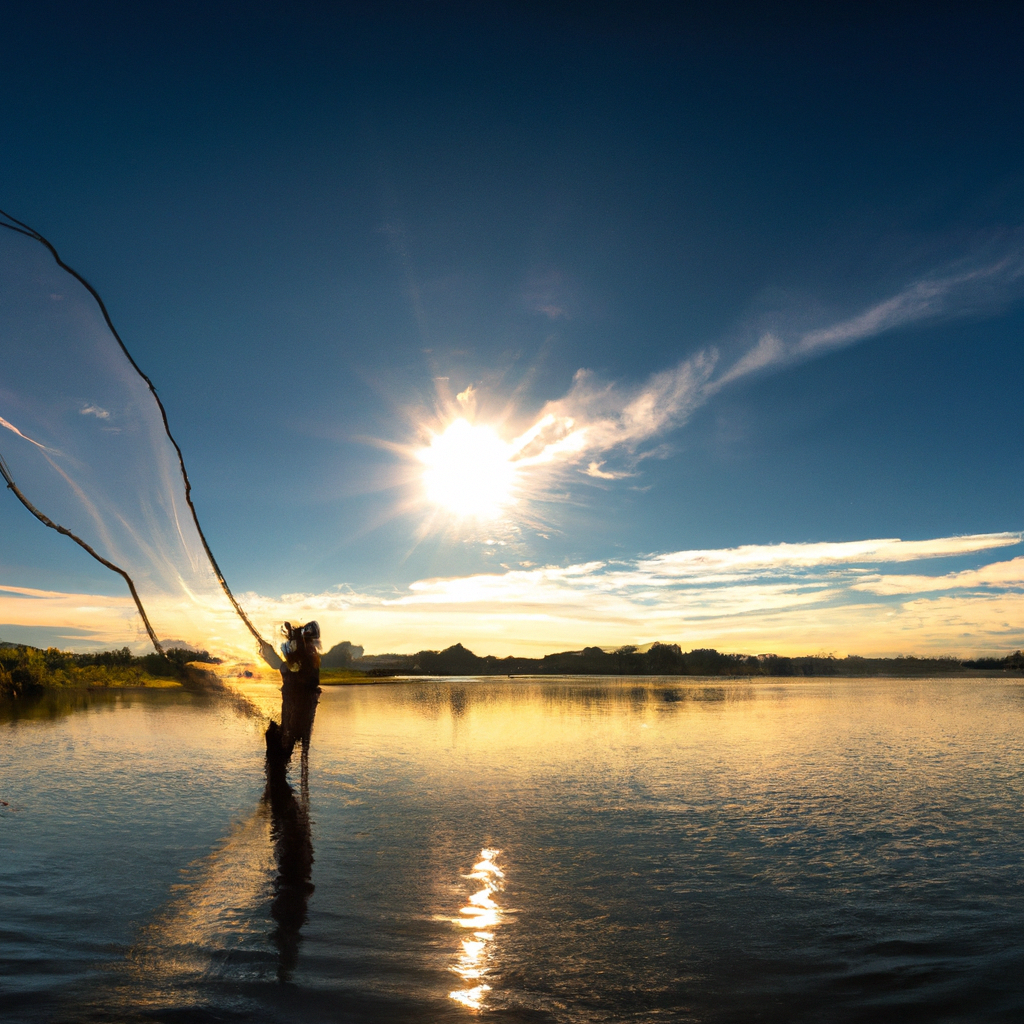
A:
10	426
930	298
850	597
597	418
786	598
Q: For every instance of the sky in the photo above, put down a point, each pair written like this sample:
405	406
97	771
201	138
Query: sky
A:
725	308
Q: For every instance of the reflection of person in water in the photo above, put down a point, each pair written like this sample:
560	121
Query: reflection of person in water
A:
293	843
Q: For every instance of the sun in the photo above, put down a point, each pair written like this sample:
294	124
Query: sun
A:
469	471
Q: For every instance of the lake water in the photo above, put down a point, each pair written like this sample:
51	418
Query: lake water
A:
526	850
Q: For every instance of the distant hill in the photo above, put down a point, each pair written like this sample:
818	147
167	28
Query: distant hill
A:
656	659
341	655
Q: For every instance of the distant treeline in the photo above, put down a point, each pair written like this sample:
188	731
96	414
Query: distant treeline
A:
657	660
25	670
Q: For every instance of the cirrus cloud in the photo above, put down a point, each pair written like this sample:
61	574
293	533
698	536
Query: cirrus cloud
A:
596	418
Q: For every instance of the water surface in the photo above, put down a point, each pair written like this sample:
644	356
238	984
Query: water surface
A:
526	850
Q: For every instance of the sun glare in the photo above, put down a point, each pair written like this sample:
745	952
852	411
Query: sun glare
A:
469	471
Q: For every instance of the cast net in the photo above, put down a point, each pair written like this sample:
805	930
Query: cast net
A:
84	444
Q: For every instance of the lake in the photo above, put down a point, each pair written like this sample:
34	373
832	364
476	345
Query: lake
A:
563	850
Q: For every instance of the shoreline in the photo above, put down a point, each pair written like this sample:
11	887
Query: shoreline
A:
154	683
26	671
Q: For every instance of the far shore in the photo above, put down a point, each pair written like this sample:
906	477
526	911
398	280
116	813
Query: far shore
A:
25	670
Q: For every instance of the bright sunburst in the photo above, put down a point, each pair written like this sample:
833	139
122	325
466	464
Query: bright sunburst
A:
469	470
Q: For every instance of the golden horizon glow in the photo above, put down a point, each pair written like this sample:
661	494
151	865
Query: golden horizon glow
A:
469	470
866	597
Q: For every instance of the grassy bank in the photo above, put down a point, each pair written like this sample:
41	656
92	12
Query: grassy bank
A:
28	670
344	677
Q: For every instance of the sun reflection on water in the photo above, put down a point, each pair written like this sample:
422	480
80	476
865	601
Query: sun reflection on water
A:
481	915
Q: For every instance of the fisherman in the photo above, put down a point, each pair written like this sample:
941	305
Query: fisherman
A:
290	826
300	692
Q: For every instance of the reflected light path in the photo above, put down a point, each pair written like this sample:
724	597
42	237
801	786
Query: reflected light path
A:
481	915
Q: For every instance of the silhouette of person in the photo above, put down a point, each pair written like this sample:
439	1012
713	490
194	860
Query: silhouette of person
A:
289	816
300	692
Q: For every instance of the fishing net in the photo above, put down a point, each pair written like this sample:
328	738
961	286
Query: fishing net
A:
85	446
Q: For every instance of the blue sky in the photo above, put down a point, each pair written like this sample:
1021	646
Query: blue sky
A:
310	222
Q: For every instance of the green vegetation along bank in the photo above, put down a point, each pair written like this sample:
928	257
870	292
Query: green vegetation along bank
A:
28	670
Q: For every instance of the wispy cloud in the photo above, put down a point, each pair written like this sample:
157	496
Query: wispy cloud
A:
787	598
847	597
94	410
937	295
762	558
597	418
998	575
10	426
597	470
112	620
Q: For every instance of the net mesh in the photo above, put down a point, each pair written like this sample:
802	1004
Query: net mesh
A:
84	443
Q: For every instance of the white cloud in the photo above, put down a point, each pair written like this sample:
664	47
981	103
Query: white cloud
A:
596	418
769	350
936	295
923	300
725	563
999	575
785	598
10	426
596	470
